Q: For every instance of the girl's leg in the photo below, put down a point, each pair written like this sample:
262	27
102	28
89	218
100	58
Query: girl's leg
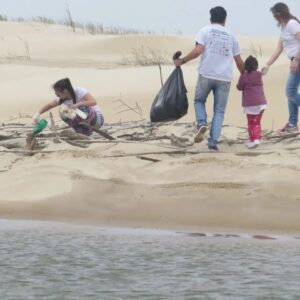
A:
250	127
257	126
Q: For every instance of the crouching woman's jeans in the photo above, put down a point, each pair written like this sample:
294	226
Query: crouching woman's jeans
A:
94	120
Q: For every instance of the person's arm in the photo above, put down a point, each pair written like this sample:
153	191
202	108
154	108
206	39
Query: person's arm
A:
196	52
48	106
88	100
44	109
296	59
273	57
239	63
240	85
275	54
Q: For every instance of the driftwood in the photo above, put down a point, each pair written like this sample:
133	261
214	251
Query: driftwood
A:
53	127
21	140
104	134
6	136
99	131
149	159
136	132
283	136
13	143
122	142
31	142
20	151
176	141
175	152
70	134
76	144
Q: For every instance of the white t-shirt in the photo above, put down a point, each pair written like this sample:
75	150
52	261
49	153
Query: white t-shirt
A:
290	43
80	92
220	46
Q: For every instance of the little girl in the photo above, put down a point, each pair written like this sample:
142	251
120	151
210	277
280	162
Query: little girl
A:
254	101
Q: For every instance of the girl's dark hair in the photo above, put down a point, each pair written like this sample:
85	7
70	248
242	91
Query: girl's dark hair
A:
282	13
65	84
251	64
218	15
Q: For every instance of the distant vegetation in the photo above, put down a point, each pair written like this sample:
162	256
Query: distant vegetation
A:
91	28
3	18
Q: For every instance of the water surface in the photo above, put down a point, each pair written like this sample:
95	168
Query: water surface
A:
59	261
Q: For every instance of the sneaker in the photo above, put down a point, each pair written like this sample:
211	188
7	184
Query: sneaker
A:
213	148
254	144
288	128
200	134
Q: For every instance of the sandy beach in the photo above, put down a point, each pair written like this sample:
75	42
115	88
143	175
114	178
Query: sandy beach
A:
159	183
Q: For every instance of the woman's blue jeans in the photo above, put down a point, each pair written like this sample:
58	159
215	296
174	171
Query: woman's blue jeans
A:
293	96
220	91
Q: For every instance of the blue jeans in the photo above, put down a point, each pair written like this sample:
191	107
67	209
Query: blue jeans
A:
293	96
220	91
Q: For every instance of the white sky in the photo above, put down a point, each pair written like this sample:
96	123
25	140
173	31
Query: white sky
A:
250	17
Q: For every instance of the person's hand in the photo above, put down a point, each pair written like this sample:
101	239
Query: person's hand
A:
178	62
294	65
264	70
76	105
36	118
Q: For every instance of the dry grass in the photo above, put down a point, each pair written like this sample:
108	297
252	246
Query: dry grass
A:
90	28
146	56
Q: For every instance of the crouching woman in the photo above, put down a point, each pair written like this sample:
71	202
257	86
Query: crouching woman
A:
79	110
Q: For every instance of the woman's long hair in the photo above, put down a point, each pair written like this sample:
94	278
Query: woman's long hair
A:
65	84
282	14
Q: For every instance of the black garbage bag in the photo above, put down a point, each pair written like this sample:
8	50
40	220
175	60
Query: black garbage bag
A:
171	103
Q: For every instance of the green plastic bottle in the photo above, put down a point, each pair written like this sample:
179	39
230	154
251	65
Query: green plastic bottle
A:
39	127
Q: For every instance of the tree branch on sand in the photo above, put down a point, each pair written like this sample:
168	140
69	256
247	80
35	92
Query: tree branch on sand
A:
176	138
125	108
53	127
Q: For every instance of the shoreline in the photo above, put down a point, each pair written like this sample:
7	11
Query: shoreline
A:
84	187
203	233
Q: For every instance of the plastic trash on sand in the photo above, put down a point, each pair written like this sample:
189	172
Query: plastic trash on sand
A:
39	127
67	112
81	114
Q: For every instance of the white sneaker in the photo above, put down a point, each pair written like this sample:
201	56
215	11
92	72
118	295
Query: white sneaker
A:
200	134
254	144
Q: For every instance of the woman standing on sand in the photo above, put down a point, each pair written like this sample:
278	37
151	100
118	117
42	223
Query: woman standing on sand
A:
289	42
80	101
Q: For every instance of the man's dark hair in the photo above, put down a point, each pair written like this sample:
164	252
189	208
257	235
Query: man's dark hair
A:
251	64
218	15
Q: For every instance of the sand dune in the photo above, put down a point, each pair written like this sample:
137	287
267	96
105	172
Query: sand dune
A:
236	188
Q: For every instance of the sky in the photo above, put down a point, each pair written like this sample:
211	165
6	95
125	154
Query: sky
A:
248	17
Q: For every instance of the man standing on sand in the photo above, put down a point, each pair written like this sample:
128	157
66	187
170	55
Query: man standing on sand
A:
219	48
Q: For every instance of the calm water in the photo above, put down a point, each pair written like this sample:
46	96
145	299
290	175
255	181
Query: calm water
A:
59	261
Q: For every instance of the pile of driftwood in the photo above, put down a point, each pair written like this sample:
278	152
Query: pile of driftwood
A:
16	137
